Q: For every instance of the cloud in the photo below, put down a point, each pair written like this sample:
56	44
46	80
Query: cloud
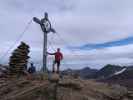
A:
97	58
77	22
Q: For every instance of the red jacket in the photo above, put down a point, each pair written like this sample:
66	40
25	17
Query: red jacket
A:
58	56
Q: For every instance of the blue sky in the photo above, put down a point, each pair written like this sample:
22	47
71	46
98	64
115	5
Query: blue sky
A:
116	43
93	32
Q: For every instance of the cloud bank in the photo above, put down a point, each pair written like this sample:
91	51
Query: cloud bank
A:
78	23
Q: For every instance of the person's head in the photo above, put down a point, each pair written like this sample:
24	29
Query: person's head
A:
58	49
31	64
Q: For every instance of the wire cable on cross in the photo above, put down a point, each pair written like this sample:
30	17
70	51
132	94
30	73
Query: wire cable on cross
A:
66	43
16	41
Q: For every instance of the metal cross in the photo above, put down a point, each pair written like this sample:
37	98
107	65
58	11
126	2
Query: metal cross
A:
46	28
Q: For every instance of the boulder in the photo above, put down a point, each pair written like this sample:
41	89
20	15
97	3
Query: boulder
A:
54	77
71	82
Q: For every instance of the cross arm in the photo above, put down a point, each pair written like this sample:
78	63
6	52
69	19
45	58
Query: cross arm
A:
38	21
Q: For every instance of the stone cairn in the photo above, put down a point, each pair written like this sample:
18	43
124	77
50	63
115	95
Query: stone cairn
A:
19	60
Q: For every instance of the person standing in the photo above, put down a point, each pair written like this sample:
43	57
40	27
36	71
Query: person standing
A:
32	69
58	57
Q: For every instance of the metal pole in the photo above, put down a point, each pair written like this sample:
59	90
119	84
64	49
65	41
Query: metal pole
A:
45	52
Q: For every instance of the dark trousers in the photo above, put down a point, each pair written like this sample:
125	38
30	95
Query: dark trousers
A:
58	66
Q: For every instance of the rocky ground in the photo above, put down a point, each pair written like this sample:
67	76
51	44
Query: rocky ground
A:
67	88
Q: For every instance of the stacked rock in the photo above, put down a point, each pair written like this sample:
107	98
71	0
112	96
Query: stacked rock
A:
19	59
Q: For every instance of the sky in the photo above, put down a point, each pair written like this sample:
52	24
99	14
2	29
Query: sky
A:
90	33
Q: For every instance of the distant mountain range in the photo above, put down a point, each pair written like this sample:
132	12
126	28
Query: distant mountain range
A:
107	71
122	75
84	73
88	73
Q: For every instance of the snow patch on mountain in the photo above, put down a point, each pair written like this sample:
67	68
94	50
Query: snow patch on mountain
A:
119	72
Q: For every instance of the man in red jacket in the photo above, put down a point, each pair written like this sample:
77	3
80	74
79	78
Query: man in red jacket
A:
58	57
